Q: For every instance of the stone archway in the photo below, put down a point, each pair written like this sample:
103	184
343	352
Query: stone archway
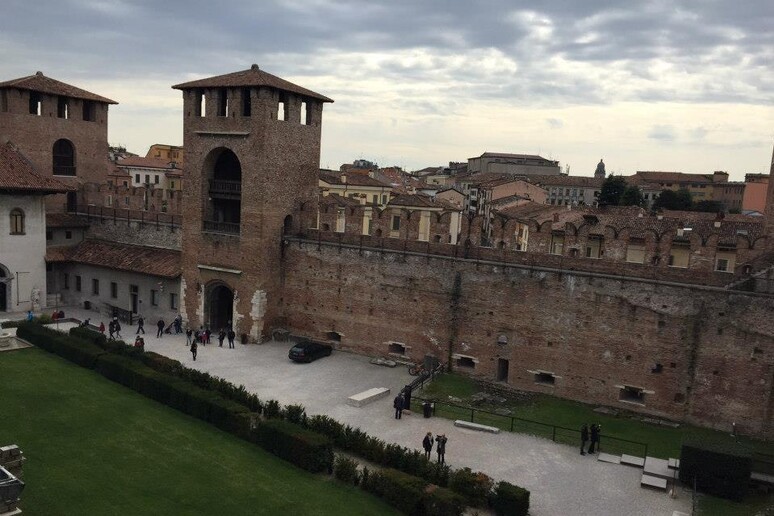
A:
218	306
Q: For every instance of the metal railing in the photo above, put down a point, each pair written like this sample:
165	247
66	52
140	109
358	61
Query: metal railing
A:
61	170
556	433
106	213
228	228
222	186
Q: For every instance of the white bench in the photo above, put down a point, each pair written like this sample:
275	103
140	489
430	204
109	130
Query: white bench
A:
658	468
607	457
369	396
632	460
653	482
475	426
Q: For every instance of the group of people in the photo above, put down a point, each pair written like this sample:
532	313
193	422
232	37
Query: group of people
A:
590	434
440	440
202	336
161	326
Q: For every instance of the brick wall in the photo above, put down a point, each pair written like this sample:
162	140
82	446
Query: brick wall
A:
594	333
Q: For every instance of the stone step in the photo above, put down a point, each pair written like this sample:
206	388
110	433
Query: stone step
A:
653	482
674	463
475	426
762	478
658	468
369	396
632	460
607	457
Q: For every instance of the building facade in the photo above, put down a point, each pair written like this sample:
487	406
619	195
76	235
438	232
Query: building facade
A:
513	164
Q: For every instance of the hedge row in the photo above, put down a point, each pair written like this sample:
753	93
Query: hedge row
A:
304	448
412	495
76	350
509	500
718	468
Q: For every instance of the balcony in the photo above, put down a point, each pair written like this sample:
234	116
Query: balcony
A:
226	228
225	189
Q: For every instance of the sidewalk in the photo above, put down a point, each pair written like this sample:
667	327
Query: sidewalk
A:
560	479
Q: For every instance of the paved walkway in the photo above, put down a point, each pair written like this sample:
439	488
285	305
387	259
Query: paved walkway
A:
560	479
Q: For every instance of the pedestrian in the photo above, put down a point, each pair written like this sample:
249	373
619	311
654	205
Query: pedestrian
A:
139	342
118	327
160	326
397	403
188	335
207	334
231	336
194	348
594	438
140	325
30	315
202	336
584	438
111	330
441	448
427	444
221	336
102	327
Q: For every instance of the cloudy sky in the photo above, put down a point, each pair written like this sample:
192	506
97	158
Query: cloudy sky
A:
650	85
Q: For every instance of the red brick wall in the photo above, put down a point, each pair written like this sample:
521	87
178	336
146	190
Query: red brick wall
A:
593	332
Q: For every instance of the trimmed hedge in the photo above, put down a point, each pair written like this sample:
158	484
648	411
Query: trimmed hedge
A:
474	486
304	448
75	350
412	495
509	500
720	468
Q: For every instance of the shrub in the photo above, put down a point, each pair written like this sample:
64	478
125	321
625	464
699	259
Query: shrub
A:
304	448
75	350
295	414
720	468
440	501
272	409
510	500
90	335
473	486
345	469
402	491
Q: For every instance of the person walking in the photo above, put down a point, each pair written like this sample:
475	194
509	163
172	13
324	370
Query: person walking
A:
221	336
111	330
594	439
397	403
188	335
102	327
202	336
194	348
427	444
140	325
117	327
160	326
207	334
231	336
441	448
179	323
584	438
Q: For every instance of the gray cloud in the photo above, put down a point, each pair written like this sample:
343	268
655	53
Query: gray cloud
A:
662	133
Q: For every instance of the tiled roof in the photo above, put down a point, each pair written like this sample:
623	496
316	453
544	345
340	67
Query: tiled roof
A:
18	175
253	76
338	200
140	162
421	201
352	179
506	201
517	156
564	180
43	84
58	254
675	177
65	220
123	257
481	177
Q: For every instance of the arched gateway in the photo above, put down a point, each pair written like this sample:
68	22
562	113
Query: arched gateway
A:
219	306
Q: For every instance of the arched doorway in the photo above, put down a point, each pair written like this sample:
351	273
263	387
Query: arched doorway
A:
3	289
219	306
223	191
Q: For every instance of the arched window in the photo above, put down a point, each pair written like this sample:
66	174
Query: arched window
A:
64	158
17	222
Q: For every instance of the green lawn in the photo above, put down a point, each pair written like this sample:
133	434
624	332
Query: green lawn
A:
95	447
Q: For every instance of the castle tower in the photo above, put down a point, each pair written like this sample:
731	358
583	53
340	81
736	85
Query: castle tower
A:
599	173
60	128
770	207
252	144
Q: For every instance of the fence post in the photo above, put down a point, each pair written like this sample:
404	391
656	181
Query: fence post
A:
646	449
472	412
553	437
511	424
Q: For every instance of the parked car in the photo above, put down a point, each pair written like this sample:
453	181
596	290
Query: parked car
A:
306	351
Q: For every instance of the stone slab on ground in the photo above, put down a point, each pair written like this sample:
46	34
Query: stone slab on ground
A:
475	426
762	478
369	396
11	513
674	463
632	460
653	482
680	513
658	468
607	457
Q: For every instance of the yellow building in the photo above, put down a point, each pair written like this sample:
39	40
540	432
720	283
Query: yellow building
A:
362	188
168	153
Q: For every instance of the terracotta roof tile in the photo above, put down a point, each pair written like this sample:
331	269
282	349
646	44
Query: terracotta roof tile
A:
123	257
18	175
352	179
43	84
420	201
141	162
253	76
57	254
564	180
338	200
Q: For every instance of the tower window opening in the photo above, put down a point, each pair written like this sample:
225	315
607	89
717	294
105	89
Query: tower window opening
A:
223	102
201	103
282	107
36	104
304	114
246	102
63	108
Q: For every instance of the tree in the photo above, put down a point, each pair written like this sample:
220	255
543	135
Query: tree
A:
671	200
632	196
707	205
612	190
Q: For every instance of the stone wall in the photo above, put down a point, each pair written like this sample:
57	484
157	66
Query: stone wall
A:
135	232
698	354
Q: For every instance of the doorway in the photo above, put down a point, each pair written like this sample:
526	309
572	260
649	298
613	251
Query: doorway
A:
502	369
219	306
72	202
134	294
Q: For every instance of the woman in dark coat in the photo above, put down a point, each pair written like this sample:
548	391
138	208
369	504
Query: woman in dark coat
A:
194	348
427	444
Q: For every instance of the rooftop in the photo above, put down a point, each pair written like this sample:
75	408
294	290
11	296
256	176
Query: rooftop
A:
155	261
43	84
141	162
17	175
253	76
65	220
565	180
335	178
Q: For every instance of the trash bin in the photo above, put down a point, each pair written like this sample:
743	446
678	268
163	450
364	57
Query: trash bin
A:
427	409
87	305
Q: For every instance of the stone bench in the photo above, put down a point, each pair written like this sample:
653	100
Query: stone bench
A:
610	458
369	396
632	460
653	482
475	426
658	468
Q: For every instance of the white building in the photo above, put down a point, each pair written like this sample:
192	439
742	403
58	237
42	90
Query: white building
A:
23	231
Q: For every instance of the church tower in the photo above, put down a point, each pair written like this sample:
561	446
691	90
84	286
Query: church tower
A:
599	173
252	144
